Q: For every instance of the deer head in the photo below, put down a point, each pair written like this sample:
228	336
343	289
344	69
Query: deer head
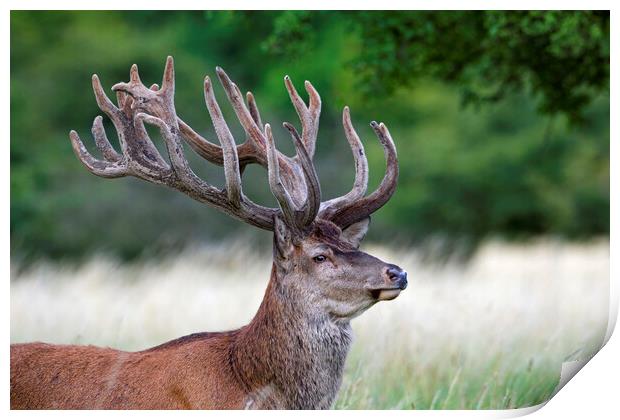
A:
316	255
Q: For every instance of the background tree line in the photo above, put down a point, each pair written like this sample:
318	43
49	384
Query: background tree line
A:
501	120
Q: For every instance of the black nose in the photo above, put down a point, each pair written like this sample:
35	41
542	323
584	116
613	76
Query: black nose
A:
398	276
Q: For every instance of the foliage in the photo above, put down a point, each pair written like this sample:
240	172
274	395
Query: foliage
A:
506	168
560	57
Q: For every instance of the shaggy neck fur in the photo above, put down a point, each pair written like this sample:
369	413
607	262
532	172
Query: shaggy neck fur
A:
290	356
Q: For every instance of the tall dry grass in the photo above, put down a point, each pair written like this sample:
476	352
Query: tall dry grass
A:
489	334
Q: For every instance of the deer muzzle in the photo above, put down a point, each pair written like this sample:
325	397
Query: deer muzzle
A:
394	282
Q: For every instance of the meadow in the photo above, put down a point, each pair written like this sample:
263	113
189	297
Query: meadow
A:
491	333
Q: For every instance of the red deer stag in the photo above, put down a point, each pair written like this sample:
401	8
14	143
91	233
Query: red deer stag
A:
292	354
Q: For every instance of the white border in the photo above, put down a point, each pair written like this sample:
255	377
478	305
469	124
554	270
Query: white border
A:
593	393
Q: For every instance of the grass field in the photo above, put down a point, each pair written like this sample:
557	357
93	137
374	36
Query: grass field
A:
491	334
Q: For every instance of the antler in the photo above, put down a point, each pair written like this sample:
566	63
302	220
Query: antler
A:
293	180
137	105
353	207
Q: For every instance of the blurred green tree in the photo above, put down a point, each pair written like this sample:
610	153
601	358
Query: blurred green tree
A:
560	58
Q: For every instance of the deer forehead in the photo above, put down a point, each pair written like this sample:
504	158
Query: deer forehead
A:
326	239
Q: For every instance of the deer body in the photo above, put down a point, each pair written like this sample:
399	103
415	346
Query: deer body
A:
292	354
273	362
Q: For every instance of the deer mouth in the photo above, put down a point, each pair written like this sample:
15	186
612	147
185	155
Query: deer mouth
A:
385	293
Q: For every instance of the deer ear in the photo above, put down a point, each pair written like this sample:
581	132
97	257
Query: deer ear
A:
283	241
355	233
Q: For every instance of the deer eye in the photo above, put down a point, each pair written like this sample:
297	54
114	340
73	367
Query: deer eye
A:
319	258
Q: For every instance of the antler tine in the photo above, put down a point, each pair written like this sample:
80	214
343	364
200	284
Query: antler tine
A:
243	114
362	208
361	169
103	102
229	148
167	84
134	75
205	149
312	204
178	160
308	115
275	183
125	102
253	109
102	142
95	166
246	152
213	152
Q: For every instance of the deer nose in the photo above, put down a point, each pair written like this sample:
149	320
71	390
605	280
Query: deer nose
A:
397	275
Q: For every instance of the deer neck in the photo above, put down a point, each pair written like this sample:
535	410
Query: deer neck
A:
290	356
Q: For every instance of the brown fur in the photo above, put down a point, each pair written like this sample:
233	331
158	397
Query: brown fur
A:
45	376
